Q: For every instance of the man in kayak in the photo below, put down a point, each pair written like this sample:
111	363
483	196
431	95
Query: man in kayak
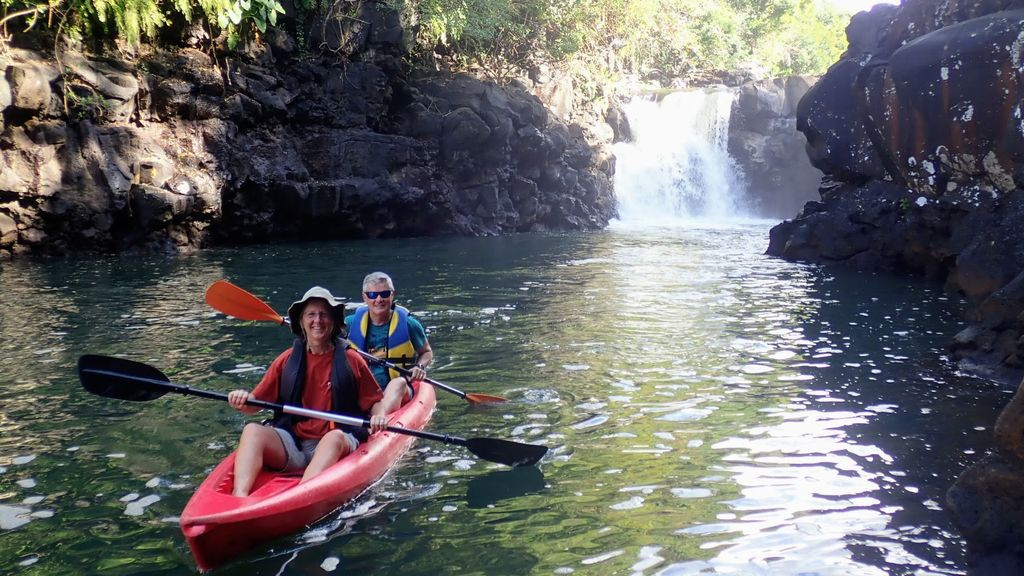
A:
388	331
316	373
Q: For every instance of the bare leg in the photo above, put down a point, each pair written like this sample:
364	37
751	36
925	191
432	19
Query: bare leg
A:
259	445
331	448
396	394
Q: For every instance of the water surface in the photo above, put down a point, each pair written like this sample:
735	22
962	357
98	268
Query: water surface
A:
710	410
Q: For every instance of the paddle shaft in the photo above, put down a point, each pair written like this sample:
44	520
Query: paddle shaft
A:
403	371
294	410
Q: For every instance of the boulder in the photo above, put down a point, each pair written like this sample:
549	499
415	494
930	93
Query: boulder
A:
8	231
29	86
5	93
951	127
154	207
917	130
767	148
832	115
463	129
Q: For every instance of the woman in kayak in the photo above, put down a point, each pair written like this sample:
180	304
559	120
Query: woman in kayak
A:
318	374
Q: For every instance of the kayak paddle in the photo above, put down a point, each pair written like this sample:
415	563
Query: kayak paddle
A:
237	302
234	301
129	380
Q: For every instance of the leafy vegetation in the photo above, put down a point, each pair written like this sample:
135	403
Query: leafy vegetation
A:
666	38
607	39
133	21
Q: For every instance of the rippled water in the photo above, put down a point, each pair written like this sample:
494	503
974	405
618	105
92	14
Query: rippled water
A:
710	410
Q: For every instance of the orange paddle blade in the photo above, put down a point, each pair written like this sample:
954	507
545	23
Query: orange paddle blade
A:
225	297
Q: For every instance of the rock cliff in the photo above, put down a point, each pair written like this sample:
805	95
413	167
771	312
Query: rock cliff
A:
767	147
918	130
176	150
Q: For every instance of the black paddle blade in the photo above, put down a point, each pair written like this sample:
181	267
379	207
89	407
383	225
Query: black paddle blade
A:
119	378
506	452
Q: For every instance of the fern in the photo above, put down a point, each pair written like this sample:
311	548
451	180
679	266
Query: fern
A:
132	19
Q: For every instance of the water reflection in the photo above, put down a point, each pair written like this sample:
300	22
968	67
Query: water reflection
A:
497	485
727	341
709	410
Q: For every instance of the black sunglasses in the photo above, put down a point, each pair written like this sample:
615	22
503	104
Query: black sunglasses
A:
372	295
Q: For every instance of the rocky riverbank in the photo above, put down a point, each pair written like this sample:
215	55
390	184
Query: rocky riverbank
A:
922	159
176	150
173	149
918	132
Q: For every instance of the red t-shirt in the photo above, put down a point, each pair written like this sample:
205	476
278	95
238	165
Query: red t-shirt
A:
316	393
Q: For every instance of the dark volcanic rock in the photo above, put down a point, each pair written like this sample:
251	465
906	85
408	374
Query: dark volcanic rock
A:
919	132
921	135
275	144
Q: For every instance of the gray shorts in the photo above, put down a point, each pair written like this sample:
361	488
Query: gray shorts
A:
299	456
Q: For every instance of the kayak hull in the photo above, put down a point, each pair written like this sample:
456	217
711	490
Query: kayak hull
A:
219	526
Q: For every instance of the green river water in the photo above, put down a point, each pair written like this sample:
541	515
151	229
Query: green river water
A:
710	410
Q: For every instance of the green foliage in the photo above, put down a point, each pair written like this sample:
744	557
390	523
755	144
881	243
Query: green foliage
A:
666	38
718	33
263	13
131	19
679	39
490	32
87	105
812	38
135	20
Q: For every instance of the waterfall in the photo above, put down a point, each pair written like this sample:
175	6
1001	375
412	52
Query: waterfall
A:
678	166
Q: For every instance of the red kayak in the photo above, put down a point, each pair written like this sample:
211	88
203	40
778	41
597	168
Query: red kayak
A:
219	526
